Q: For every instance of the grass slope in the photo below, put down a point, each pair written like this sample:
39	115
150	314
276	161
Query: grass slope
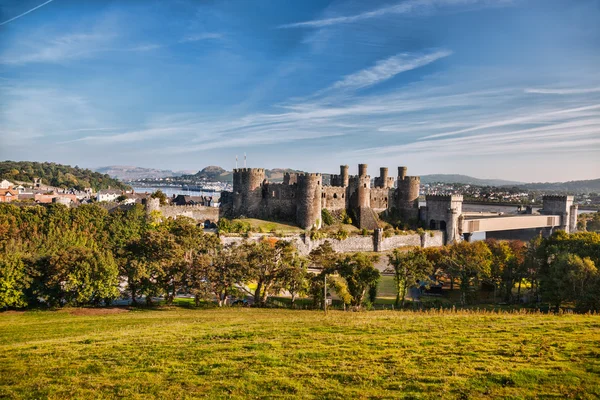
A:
252	353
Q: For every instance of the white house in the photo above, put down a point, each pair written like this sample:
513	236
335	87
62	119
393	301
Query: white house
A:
6	184
108	194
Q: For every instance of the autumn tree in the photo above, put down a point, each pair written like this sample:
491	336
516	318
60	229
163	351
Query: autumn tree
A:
409	268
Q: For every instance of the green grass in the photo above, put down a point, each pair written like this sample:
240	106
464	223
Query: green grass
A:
260	225
176	353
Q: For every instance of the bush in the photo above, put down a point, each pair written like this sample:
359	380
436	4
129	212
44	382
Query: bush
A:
346	218
342	234
327	217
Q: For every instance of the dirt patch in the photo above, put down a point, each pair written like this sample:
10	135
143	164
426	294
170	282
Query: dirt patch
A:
11	312
97	311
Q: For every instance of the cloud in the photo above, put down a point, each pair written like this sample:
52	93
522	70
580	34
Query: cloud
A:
201	36
388	68
407	7
563	91
25	13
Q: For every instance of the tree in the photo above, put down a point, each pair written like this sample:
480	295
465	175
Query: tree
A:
14	280
470	263
566	278
295	278
409	267
161	196
359	273
500	271
79	276
269	262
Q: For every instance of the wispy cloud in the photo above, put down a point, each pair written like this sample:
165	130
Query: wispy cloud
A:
201	36
25	13
564	91
388	68
407	7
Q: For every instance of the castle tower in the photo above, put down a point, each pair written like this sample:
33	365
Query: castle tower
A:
563	206
344	177
364	187
308	208
407	194
443	213
151	205
247	190
384	181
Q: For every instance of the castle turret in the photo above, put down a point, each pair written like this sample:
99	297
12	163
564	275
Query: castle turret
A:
402	173
308	209
364	187
384	181
344	175
407	194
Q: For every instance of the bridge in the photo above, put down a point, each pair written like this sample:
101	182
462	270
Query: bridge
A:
445	213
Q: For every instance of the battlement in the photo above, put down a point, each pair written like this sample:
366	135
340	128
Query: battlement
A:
411	179
557	197
444	197
257	170
310	174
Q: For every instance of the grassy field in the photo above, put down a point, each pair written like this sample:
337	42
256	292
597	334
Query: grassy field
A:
180	353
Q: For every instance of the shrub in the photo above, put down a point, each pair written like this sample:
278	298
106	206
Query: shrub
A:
342	234
327	217
346	218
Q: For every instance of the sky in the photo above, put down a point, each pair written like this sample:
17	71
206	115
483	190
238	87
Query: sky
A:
489	88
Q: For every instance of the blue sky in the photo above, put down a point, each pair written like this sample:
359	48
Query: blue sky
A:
491	88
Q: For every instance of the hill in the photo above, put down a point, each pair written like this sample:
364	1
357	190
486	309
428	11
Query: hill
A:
214	173
58	175
127	173
245	353
585	186
466	180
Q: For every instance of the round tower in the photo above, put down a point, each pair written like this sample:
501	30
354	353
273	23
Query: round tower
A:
308	209
247	190
364	187
344	177
401	173
151	205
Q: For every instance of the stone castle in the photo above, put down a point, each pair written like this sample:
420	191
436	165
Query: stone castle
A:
301	197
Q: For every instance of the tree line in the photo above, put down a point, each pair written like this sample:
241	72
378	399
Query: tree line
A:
56	256
57	175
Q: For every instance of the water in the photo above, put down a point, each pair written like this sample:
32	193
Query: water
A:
174	190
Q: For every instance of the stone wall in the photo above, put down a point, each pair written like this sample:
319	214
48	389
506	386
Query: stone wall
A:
351	245
198	213
380	199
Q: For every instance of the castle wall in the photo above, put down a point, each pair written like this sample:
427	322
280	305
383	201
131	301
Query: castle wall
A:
351	245
279	202
333	198
196	212
380	199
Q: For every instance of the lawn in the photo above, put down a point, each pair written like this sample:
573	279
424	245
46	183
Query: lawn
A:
177	353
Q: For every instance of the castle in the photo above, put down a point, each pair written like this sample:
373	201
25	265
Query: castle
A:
301	197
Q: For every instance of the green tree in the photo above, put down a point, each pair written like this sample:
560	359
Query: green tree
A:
409	268
14	280
359	273
470	263
567	278
160	196
79	276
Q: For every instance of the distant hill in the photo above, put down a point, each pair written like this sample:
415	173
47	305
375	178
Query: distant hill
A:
586	186
214	173
466	180
127	173
58	175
